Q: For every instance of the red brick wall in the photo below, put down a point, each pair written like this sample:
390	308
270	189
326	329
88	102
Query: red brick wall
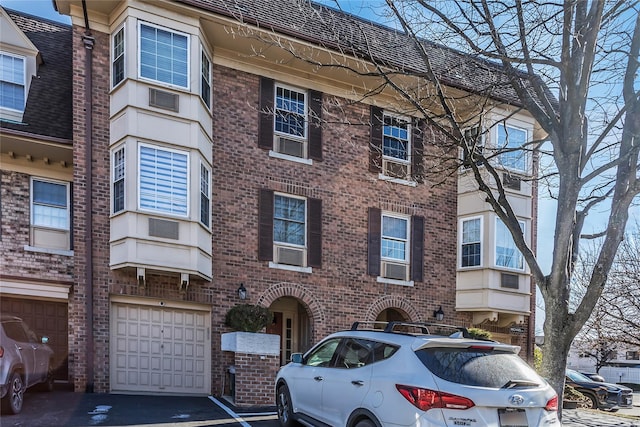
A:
15	213
254	377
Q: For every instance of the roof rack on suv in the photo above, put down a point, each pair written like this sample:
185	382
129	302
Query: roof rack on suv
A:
423	327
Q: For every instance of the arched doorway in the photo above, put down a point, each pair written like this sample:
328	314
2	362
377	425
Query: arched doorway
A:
291	322
392	315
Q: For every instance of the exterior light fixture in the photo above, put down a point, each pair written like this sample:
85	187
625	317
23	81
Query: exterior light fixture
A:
242	292
438	314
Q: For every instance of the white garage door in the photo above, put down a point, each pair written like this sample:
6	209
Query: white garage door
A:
160	349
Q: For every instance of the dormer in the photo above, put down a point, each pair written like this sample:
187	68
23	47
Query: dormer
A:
19	61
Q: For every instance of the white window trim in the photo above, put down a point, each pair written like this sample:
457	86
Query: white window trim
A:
112	178
460	242
386	280
306	225
124	55
24	83
278	155
306	112
482	143
67	186
523	225
407	218
208	168
383	177
188	196
204	52
497	146
159	82
288	267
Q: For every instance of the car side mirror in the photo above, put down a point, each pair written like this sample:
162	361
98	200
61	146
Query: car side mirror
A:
45	340
297	358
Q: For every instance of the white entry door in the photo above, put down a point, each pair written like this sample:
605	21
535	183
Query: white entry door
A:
160	349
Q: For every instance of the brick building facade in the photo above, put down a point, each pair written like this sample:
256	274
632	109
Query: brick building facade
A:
151	284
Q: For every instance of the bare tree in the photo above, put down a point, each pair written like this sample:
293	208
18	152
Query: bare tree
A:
572	65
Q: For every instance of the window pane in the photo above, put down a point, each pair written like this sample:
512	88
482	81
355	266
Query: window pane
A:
118	180
394	238
289	220
118	57
290	112
204	195
395	142
512	138
507	255
49	207
206	80
163	180
12	82
163	56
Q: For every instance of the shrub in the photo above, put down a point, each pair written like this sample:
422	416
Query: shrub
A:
479	334
248	318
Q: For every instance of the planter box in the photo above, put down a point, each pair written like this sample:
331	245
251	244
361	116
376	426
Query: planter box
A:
251	343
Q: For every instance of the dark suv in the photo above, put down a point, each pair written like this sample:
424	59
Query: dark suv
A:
606	396
24	362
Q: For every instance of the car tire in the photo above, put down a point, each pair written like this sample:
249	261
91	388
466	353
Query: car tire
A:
591	402
285	409
12	402
365	422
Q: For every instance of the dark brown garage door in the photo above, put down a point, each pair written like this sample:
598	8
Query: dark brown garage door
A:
45	318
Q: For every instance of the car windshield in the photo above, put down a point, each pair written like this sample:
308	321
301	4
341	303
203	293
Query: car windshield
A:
482	368
577	376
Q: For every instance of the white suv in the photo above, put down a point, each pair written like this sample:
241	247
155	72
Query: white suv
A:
393	377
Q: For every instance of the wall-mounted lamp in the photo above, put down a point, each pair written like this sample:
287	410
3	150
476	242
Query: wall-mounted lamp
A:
242	292
438	314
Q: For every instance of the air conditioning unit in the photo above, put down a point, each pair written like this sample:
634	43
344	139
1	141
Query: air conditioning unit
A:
290	256
290	146
395	169
394	270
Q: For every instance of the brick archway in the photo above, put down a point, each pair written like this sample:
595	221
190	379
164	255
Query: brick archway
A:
300	292
392	301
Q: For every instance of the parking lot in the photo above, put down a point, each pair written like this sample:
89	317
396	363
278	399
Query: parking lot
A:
63	408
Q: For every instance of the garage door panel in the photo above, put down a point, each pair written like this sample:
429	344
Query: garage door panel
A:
162	352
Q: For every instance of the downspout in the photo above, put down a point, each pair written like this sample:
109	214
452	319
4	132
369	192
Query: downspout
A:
88	41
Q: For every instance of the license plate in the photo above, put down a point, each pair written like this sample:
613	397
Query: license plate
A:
629	400
512	417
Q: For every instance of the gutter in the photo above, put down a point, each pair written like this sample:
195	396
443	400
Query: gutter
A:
88	41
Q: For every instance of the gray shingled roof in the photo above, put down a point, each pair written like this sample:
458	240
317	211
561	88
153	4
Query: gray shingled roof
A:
336	30
48	110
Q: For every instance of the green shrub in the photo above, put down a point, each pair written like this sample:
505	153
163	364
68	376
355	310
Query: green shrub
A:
479	334
248	318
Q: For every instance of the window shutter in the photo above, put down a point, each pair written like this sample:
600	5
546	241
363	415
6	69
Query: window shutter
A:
417	150
375	145
374	241
417	247
314	217
265	225
265	131
315	125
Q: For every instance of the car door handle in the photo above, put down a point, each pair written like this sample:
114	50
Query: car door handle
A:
357	382
318	378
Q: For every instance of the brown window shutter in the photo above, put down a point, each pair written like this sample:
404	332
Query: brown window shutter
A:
417	248
417	150
265	225
374	241
265	127
315	125
375	144
314	217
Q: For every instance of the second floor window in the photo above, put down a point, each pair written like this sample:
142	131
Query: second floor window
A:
163	185
507	255
12	82
396	147
512	141
50	214
164	55
471	250
205	79
205	195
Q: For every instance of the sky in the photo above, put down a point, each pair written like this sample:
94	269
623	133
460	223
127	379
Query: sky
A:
546	214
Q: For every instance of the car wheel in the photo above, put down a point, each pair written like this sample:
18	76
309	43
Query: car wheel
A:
366	422
285	411
12	401
591	402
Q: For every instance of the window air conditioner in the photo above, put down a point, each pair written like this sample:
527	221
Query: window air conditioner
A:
395	169
290	146
290	256
393	270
